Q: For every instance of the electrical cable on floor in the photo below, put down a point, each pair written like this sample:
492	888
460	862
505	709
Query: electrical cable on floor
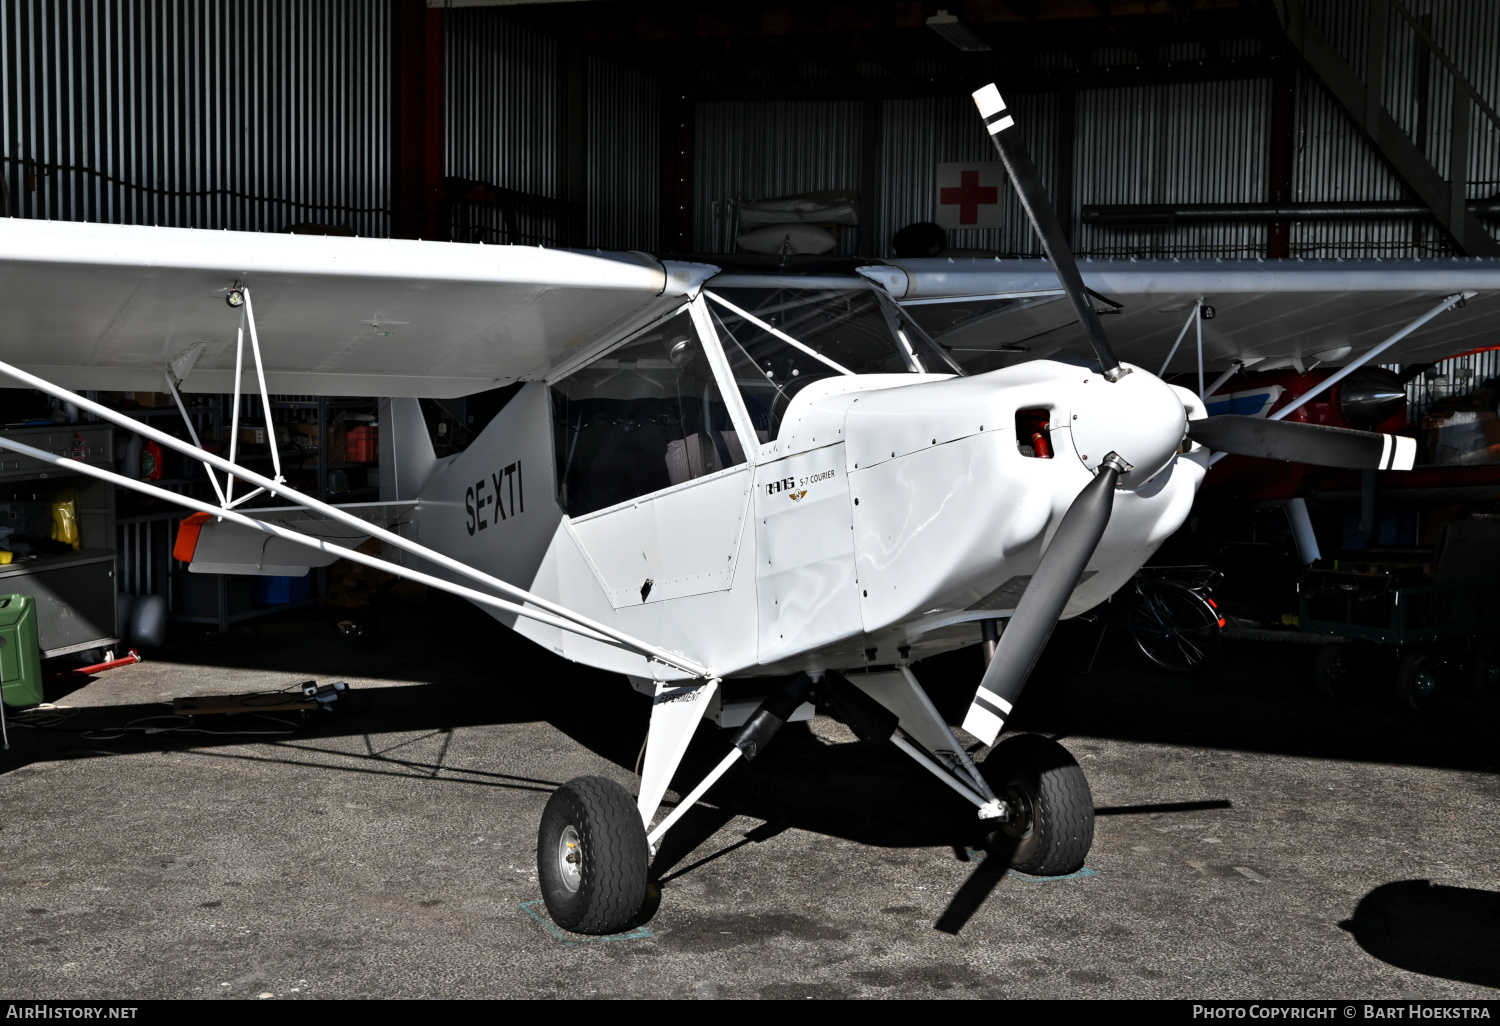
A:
49	717
41	717
115	733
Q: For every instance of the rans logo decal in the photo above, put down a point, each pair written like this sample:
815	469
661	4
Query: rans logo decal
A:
502	491
797	487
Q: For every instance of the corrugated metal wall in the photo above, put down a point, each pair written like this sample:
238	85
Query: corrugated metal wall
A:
754	150
1333	159
503	94
254	114
1199	143
244	114
920	134
624	157
1455	377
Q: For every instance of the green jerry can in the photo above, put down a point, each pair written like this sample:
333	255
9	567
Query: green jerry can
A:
20	654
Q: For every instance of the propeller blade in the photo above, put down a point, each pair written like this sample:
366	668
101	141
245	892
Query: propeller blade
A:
1033	196
1042	603
1317	444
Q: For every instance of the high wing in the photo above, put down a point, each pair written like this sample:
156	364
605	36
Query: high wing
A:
1267	313
110	306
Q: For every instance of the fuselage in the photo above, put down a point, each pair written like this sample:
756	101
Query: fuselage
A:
889	512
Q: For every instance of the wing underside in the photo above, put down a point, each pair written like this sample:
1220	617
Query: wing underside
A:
1267	314
97	306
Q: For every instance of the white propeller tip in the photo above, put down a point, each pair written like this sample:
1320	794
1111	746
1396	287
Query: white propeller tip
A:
988	101
983	724
1402	455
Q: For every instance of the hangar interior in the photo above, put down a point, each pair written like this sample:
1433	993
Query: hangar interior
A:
752	133
1195	129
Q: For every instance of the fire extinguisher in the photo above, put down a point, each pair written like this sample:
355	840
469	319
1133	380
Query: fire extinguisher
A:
151	462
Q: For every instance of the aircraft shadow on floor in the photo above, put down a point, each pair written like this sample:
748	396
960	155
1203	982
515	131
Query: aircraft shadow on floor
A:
1431	929
480	674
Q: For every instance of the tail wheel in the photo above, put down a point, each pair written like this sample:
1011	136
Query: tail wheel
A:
1175	628
592	856
1417	682
1052	824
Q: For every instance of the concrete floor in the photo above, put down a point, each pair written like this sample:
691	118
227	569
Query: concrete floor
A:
1253	840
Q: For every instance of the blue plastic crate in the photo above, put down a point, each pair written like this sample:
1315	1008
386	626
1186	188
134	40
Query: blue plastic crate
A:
281	591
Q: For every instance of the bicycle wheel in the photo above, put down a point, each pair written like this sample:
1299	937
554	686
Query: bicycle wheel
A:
1175	628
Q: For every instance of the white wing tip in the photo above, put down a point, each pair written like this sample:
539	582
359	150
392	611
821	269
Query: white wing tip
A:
988	101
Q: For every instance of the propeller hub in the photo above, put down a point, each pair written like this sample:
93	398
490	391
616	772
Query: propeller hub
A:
1139	416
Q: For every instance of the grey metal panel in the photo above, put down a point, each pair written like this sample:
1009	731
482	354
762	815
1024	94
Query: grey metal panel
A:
75	601
502	116
755	150
624	157
922	133
284	102
1202	142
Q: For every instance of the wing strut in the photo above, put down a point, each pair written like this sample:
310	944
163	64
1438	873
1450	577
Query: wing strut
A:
1344	372
559	616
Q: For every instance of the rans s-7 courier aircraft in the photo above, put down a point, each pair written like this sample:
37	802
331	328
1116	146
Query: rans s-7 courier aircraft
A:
714	474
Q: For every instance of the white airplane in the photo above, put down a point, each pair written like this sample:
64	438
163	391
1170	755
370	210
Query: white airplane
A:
714	473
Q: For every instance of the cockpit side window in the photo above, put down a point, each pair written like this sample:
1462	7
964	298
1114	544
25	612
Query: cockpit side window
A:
644	417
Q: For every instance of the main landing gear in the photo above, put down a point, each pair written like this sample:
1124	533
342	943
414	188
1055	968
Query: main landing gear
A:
592	856
595	844
1051	826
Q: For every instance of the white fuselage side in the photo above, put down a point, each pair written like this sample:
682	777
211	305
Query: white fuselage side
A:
893	510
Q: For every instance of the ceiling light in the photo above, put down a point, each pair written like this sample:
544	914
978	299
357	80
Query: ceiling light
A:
956	32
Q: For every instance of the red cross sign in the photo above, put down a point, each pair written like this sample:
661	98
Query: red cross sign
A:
968	195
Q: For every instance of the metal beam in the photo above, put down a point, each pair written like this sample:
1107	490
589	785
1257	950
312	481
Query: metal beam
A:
1405	158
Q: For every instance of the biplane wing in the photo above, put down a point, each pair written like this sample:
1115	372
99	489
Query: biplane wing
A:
110	306
1265	314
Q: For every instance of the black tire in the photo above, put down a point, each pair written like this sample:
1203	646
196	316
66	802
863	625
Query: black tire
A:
1484	668
1175	628
593	820
1331	671
1053	826
1417	682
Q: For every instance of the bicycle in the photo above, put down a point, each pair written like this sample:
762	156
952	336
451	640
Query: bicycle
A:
1171	616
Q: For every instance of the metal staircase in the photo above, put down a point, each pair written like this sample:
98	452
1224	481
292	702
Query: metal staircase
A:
1362	100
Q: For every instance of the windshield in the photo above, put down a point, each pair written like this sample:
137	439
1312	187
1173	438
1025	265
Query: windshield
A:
778	340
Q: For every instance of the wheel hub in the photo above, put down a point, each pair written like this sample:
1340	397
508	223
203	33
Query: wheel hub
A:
570	859
1018	827
1425	684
